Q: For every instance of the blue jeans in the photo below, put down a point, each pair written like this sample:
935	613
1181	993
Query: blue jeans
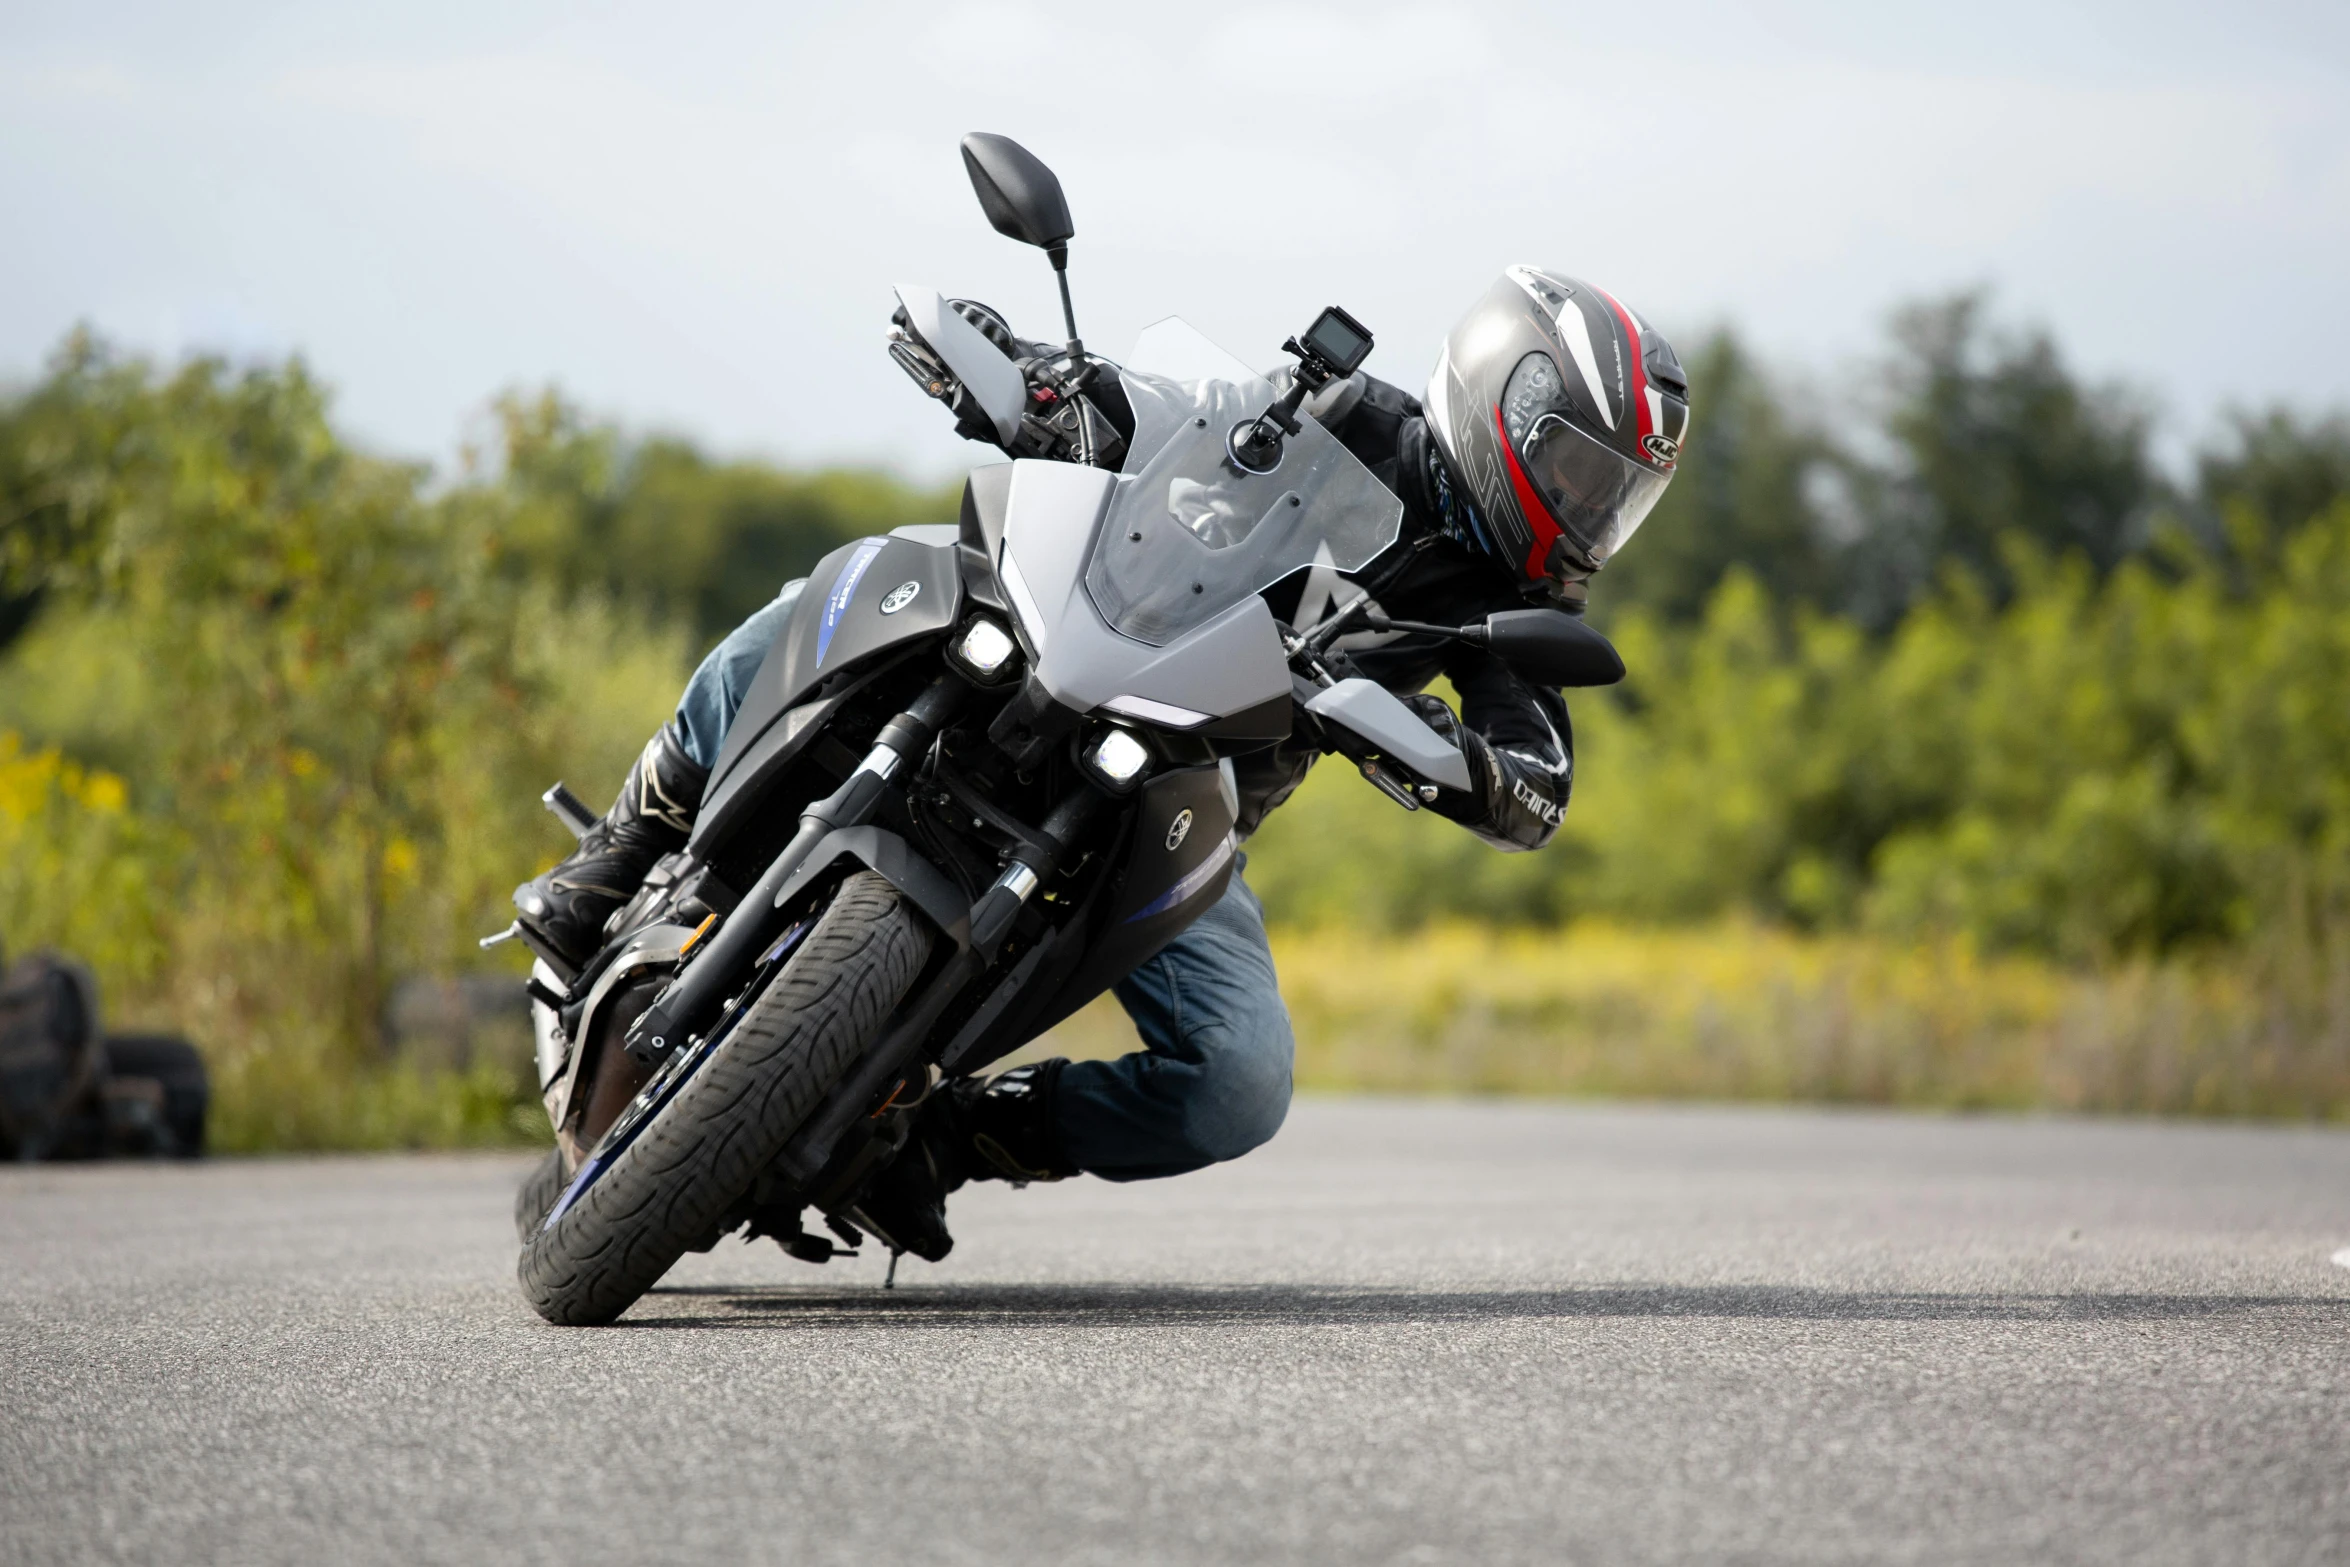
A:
1212	1079
716	692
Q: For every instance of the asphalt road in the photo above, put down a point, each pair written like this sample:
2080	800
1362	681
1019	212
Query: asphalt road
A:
1402	1333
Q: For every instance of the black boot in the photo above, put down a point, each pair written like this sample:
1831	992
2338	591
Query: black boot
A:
1009	1125
566	908
998	1130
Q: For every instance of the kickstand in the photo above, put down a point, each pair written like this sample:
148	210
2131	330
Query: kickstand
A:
890	1280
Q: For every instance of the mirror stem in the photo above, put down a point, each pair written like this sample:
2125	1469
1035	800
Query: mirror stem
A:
1475	636
1328	631
1059	256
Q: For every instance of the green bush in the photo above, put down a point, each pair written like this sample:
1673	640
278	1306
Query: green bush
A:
324	710
659	526
275	737
2148	762
275	716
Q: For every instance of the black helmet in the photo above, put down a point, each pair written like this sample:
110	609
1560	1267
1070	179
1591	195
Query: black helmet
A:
1561	414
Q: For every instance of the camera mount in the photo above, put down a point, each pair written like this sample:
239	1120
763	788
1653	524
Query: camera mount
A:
1332	349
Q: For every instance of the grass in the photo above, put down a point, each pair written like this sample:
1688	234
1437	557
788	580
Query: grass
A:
1743	1012
1722	1012
288	1101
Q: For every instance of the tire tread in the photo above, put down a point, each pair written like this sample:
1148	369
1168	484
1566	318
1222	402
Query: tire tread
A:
676	1181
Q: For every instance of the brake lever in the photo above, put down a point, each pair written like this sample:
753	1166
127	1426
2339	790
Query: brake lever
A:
1383	773
1384	780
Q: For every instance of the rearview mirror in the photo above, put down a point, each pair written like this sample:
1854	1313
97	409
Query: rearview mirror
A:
1552	648
1020	196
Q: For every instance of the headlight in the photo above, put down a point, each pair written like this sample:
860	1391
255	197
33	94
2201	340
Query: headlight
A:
986	651
1117	758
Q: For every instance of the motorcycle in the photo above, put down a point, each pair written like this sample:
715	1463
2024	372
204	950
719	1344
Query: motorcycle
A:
984	772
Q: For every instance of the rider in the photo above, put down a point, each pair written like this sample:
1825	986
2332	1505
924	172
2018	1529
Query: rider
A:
1551	425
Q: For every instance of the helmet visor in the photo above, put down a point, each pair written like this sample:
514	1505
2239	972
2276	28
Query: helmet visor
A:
1599	497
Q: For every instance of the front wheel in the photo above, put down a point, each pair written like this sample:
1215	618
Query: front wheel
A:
538	1194
632	1212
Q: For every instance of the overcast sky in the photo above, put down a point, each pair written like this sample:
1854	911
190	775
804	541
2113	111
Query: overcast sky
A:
689	215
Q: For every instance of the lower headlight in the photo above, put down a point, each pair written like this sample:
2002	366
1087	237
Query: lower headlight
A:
1117	758
986	650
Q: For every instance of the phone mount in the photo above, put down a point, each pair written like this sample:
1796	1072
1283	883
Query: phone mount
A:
1332	349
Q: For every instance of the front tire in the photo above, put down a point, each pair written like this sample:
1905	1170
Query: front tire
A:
673	1185
538	1195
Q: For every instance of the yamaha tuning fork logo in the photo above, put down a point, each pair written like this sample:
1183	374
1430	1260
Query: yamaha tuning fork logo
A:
899	597
1178	830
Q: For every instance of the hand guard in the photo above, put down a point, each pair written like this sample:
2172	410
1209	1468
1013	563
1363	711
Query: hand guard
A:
1516	801
1457	805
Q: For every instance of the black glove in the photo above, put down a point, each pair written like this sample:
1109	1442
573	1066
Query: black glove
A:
1459	805
992	326
1436	716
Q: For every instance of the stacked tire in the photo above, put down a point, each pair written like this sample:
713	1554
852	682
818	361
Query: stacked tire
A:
68	1090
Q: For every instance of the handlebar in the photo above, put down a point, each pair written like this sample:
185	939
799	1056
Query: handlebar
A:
1061	418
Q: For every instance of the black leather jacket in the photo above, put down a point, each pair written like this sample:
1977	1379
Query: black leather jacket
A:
1520	745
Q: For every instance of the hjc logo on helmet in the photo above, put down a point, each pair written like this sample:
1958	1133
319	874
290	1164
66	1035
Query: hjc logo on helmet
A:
1662	447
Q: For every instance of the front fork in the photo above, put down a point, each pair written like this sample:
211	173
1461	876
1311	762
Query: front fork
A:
694	997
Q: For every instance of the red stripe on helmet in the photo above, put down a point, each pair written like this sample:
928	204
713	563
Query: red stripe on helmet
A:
1539	521
1639	370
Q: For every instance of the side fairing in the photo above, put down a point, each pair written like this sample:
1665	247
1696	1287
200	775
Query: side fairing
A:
1177	866
1182	852
862	599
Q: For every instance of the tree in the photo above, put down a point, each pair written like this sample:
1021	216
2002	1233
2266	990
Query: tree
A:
322	655
2275	473
1996	436
658	524
1747	495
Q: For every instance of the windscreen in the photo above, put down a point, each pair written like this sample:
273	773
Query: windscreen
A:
1188	535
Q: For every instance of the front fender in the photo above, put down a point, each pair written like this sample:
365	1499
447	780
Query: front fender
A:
656	946
896	862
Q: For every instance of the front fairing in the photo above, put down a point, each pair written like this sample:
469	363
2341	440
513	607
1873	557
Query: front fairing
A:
1189	534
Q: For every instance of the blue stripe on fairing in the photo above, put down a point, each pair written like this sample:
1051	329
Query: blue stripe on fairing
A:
1194	879
836	603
